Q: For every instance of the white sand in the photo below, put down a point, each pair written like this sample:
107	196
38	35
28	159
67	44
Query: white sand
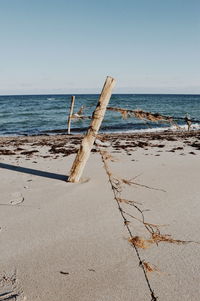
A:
49	226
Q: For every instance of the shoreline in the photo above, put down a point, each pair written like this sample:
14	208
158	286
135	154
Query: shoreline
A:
134	134
81	131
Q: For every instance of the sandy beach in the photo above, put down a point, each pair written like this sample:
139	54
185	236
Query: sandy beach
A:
64	241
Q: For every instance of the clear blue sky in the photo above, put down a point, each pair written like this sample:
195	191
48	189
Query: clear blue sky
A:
70	46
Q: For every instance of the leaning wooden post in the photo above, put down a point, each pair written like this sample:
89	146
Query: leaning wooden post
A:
70	114
89	138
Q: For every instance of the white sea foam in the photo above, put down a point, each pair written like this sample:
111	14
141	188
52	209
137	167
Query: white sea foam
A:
173	128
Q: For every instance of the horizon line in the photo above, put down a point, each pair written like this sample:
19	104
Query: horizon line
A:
74	94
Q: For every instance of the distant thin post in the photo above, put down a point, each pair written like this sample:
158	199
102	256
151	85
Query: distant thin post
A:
70	114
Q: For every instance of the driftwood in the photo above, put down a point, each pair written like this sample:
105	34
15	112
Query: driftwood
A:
70	114
188	121
79	115
88	141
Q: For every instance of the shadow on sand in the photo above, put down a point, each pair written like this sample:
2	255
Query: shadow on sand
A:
34	172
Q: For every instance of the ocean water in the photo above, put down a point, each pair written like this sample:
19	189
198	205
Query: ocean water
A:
37	114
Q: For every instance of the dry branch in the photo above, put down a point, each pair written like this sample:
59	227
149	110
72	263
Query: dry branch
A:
79	114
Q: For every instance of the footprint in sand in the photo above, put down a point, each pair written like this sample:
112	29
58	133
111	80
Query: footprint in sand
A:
16	198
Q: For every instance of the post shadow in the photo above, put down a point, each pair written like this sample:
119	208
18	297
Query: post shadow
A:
34	172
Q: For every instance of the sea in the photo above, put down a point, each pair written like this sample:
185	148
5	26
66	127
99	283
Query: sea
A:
48	114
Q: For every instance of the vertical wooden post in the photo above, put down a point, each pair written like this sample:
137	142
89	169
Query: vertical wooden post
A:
89	138
70	114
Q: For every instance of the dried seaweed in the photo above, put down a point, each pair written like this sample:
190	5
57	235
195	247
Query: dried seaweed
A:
152	228
156	238
140	242
140	114
150	267
128	201
130	182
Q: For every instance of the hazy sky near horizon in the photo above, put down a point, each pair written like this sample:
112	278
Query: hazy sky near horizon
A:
67	46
